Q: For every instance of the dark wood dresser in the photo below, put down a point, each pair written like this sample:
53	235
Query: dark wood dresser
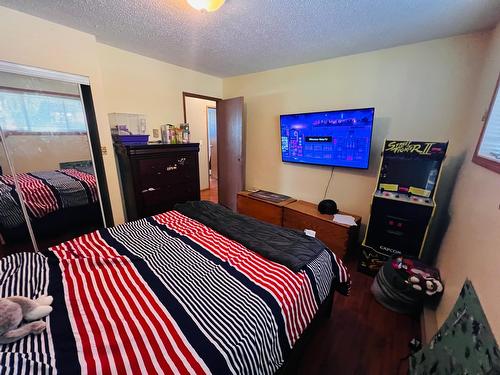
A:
156	177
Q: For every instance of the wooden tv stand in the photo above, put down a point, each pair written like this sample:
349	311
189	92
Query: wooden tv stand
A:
267	211
340	238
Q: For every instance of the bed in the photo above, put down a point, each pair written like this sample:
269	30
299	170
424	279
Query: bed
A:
171	294
54	200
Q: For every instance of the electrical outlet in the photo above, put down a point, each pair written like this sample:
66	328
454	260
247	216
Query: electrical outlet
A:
156	133
104	150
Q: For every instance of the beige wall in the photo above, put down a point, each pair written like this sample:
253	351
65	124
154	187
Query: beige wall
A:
196	115
30	153
420	92
471	247
138	84
120	81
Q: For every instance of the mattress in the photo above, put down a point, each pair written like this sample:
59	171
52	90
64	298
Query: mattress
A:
165	294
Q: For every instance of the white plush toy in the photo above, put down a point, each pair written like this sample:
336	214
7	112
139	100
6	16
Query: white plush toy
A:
14	309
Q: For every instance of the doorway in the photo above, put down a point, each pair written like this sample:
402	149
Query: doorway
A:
217	125
212	147
201	115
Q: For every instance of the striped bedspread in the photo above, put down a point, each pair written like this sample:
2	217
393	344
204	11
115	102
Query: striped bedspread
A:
165	294
44	193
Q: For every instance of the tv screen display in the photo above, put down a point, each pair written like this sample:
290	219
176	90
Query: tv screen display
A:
334	138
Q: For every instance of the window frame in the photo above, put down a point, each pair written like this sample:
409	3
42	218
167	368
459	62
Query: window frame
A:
478	159
44	93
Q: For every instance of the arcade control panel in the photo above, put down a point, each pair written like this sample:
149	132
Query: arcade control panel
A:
404	197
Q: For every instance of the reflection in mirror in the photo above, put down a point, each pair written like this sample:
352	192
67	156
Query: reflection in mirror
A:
46	140
14	233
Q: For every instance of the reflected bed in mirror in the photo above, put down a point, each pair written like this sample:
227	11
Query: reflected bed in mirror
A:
58	202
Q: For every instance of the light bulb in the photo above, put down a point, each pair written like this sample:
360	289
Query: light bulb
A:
207	5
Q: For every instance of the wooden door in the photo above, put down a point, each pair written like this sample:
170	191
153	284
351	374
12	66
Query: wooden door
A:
230	150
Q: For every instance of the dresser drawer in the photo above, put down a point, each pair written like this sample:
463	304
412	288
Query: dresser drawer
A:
165	183
261	210
163	198
182	166
336	237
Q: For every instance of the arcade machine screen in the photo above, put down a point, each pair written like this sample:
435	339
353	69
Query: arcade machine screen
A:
335	138
420	181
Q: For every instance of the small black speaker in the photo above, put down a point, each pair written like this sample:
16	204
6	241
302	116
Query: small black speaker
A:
328	206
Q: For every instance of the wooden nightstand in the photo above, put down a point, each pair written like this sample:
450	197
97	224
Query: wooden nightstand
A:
305	215
260	209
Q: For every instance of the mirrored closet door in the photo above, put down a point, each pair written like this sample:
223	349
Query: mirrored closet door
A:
49	192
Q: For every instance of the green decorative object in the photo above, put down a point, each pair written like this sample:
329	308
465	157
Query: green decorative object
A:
463	345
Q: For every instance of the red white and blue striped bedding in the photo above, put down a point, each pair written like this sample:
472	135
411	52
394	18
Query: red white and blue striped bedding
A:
165	294
45	193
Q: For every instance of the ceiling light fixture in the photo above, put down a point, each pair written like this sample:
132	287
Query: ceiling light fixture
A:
206	5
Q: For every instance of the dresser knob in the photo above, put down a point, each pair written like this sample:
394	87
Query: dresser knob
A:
150	189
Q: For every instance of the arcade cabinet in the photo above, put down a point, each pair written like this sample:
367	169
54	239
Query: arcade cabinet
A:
403	202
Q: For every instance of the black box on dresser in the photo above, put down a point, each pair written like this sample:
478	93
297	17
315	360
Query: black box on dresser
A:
155	177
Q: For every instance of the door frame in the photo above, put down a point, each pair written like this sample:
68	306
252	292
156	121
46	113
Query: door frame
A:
197	96
185	95
96	150
208	138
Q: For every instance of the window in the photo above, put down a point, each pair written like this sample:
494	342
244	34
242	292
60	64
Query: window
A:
26	112
488	148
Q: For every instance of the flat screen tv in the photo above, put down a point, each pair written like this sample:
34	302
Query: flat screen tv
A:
333	138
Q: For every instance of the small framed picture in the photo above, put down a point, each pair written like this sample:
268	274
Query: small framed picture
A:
487	152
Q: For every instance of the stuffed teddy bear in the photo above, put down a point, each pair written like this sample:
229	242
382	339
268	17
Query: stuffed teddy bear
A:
14	309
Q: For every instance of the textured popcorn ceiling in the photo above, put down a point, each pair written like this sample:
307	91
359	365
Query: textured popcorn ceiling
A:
247	36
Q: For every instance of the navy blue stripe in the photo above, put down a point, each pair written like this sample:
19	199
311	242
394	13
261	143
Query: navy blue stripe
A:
66	355
203	347
83	182
311	277
13	193
267	297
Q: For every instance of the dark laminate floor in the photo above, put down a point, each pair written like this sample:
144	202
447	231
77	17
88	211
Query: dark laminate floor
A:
361	336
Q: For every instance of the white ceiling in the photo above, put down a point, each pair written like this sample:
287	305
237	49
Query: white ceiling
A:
247	36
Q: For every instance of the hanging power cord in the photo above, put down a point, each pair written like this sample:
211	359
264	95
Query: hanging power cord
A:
329	181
